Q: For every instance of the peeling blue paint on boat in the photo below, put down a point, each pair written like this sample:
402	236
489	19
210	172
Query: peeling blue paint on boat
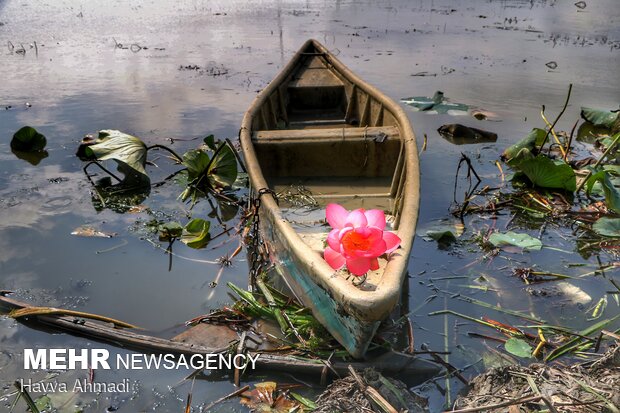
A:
353	334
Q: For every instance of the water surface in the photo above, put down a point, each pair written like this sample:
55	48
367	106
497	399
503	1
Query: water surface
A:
191	68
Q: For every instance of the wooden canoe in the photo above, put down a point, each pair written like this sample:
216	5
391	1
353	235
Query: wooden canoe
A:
320	131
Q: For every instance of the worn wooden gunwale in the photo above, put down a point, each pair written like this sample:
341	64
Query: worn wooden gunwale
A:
351	314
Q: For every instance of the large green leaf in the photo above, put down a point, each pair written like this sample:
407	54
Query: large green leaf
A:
532	141
223	170
227	209
518	347
196	162
128	151
608	227
196	233
600	117
547	173
612	195
525	241
27	139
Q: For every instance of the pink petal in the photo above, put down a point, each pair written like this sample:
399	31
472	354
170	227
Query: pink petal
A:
376	245
333	258
340	235
333	239
364	231
336	215
357	219
375	250
358	266
376	218
374	264
392	241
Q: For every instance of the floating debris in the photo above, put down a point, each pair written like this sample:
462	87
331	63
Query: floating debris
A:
436	104
552	65
584	387
88	231
462	135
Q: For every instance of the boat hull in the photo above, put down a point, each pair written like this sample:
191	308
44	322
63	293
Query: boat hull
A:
351	332
319	127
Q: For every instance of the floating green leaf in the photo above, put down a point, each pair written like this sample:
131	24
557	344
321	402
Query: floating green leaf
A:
43	403
518	347
445	238
590	133
27	139
210	142
223	169
128	151
170	231
196	233
607	227
612	195
196	162
547	173
532	141
226	210
205	173
437	104
600	117
525	241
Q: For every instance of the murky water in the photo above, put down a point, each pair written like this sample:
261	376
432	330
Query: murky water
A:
186	69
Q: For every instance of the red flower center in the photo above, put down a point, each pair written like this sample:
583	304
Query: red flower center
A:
355	241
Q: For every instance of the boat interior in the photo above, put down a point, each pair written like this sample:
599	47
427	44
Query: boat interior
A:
320	138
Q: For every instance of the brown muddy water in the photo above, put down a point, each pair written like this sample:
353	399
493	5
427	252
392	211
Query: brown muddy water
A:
187	69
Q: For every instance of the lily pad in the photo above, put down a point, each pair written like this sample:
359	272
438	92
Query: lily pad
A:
444	238
525	241
436	104
27	139
223	170
607	227
196	233
600	117
127	150
43	403
206	173
612	195
226	210
196	161
170	231
590	133
547	173
531	142
210	142
518	347
445	232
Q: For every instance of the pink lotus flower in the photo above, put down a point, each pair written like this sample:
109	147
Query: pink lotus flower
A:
357	239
